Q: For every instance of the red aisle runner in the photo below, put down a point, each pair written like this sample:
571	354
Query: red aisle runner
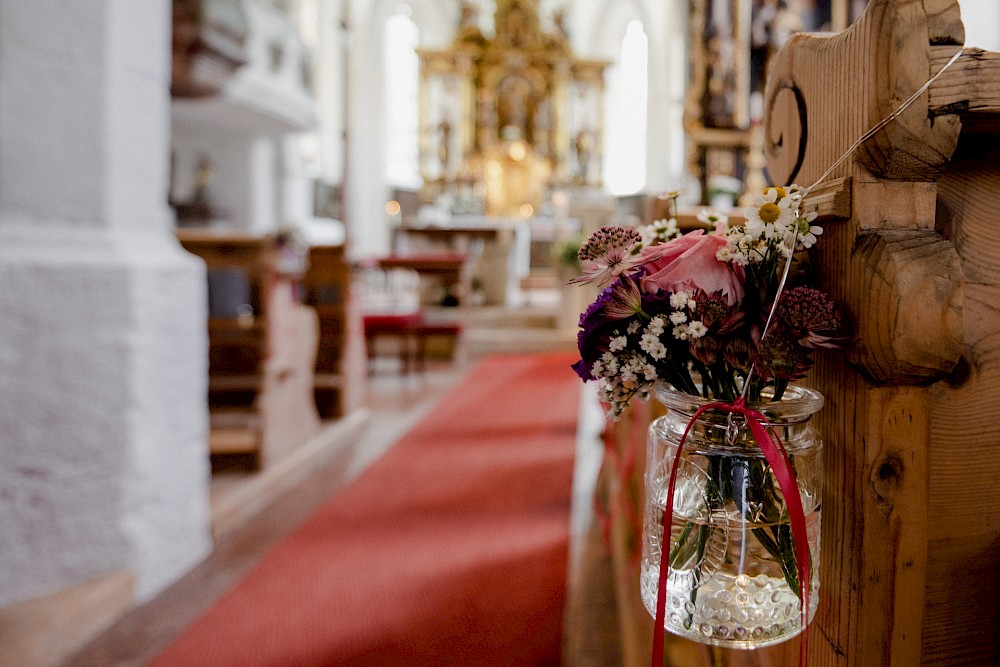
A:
450	550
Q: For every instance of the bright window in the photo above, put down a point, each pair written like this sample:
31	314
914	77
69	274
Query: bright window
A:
625	138
401	77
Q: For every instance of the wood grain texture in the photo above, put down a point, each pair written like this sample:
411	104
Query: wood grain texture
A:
812	117
908	299
910	569
963	586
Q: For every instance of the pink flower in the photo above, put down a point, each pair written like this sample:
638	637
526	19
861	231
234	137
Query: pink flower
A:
608	253
689	263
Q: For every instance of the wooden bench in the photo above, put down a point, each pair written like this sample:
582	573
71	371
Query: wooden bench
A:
911	517
262	349
327	287
910	569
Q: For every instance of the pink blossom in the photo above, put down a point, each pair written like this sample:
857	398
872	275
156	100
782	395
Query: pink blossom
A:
608	253
689	263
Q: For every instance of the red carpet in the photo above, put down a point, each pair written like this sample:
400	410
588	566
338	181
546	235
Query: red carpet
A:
450	550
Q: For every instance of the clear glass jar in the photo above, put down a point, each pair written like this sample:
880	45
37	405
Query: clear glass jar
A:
733	580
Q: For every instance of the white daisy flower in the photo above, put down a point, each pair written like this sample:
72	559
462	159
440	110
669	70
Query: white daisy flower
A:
772	207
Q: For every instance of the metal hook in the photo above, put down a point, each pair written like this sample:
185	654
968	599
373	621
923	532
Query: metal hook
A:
733	429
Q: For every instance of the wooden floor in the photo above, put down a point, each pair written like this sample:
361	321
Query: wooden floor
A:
395	403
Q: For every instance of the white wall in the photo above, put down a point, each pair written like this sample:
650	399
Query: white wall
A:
982	23
249	130
103	454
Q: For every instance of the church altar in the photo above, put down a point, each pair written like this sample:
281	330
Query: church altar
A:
498	250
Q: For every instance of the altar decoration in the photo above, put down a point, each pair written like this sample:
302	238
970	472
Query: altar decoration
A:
509	118
716	326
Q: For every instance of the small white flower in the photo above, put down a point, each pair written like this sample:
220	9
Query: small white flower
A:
679	299
755	228
697	329
610	362
656	326
618	343
713	217
777	230
678	317
633	326
653	346
680	332
807	231
740	259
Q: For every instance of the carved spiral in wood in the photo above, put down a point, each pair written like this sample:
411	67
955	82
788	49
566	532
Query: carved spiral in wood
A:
786	131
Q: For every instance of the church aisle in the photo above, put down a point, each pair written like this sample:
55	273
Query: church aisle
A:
401	402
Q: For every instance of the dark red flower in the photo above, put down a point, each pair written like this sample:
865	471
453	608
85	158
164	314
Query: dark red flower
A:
779	355
811	316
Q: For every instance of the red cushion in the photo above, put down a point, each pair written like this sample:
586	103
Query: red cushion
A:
431	329
391	323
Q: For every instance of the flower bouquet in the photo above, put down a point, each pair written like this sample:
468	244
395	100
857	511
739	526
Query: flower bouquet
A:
716	326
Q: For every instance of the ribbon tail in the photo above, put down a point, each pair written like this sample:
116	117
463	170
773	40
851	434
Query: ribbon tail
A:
778	459
656	659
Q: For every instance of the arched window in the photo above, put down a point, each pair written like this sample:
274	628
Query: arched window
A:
401	77
625	125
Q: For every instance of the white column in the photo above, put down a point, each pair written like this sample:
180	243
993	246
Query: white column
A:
103	457
366	189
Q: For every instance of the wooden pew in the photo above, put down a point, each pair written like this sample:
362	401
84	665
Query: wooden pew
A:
910	562
911	520
339	382
262	349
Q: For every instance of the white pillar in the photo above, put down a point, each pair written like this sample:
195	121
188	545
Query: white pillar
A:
103	455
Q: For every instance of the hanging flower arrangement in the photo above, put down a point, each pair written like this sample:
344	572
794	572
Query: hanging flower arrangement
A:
714	324
691	310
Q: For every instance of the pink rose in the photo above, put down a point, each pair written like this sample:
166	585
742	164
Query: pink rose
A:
688	263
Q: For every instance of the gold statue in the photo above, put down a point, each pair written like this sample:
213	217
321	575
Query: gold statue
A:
515	177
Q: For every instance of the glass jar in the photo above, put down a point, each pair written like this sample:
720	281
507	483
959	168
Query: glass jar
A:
733	579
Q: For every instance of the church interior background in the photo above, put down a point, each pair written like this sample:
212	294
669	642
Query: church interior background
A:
289	154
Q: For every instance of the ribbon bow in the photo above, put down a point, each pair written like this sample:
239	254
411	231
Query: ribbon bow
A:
777	457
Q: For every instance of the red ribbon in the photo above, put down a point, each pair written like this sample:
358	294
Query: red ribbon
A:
777	458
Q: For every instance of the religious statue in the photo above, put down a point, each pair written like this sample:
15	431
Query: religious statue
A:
444	145
507	128
515	177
